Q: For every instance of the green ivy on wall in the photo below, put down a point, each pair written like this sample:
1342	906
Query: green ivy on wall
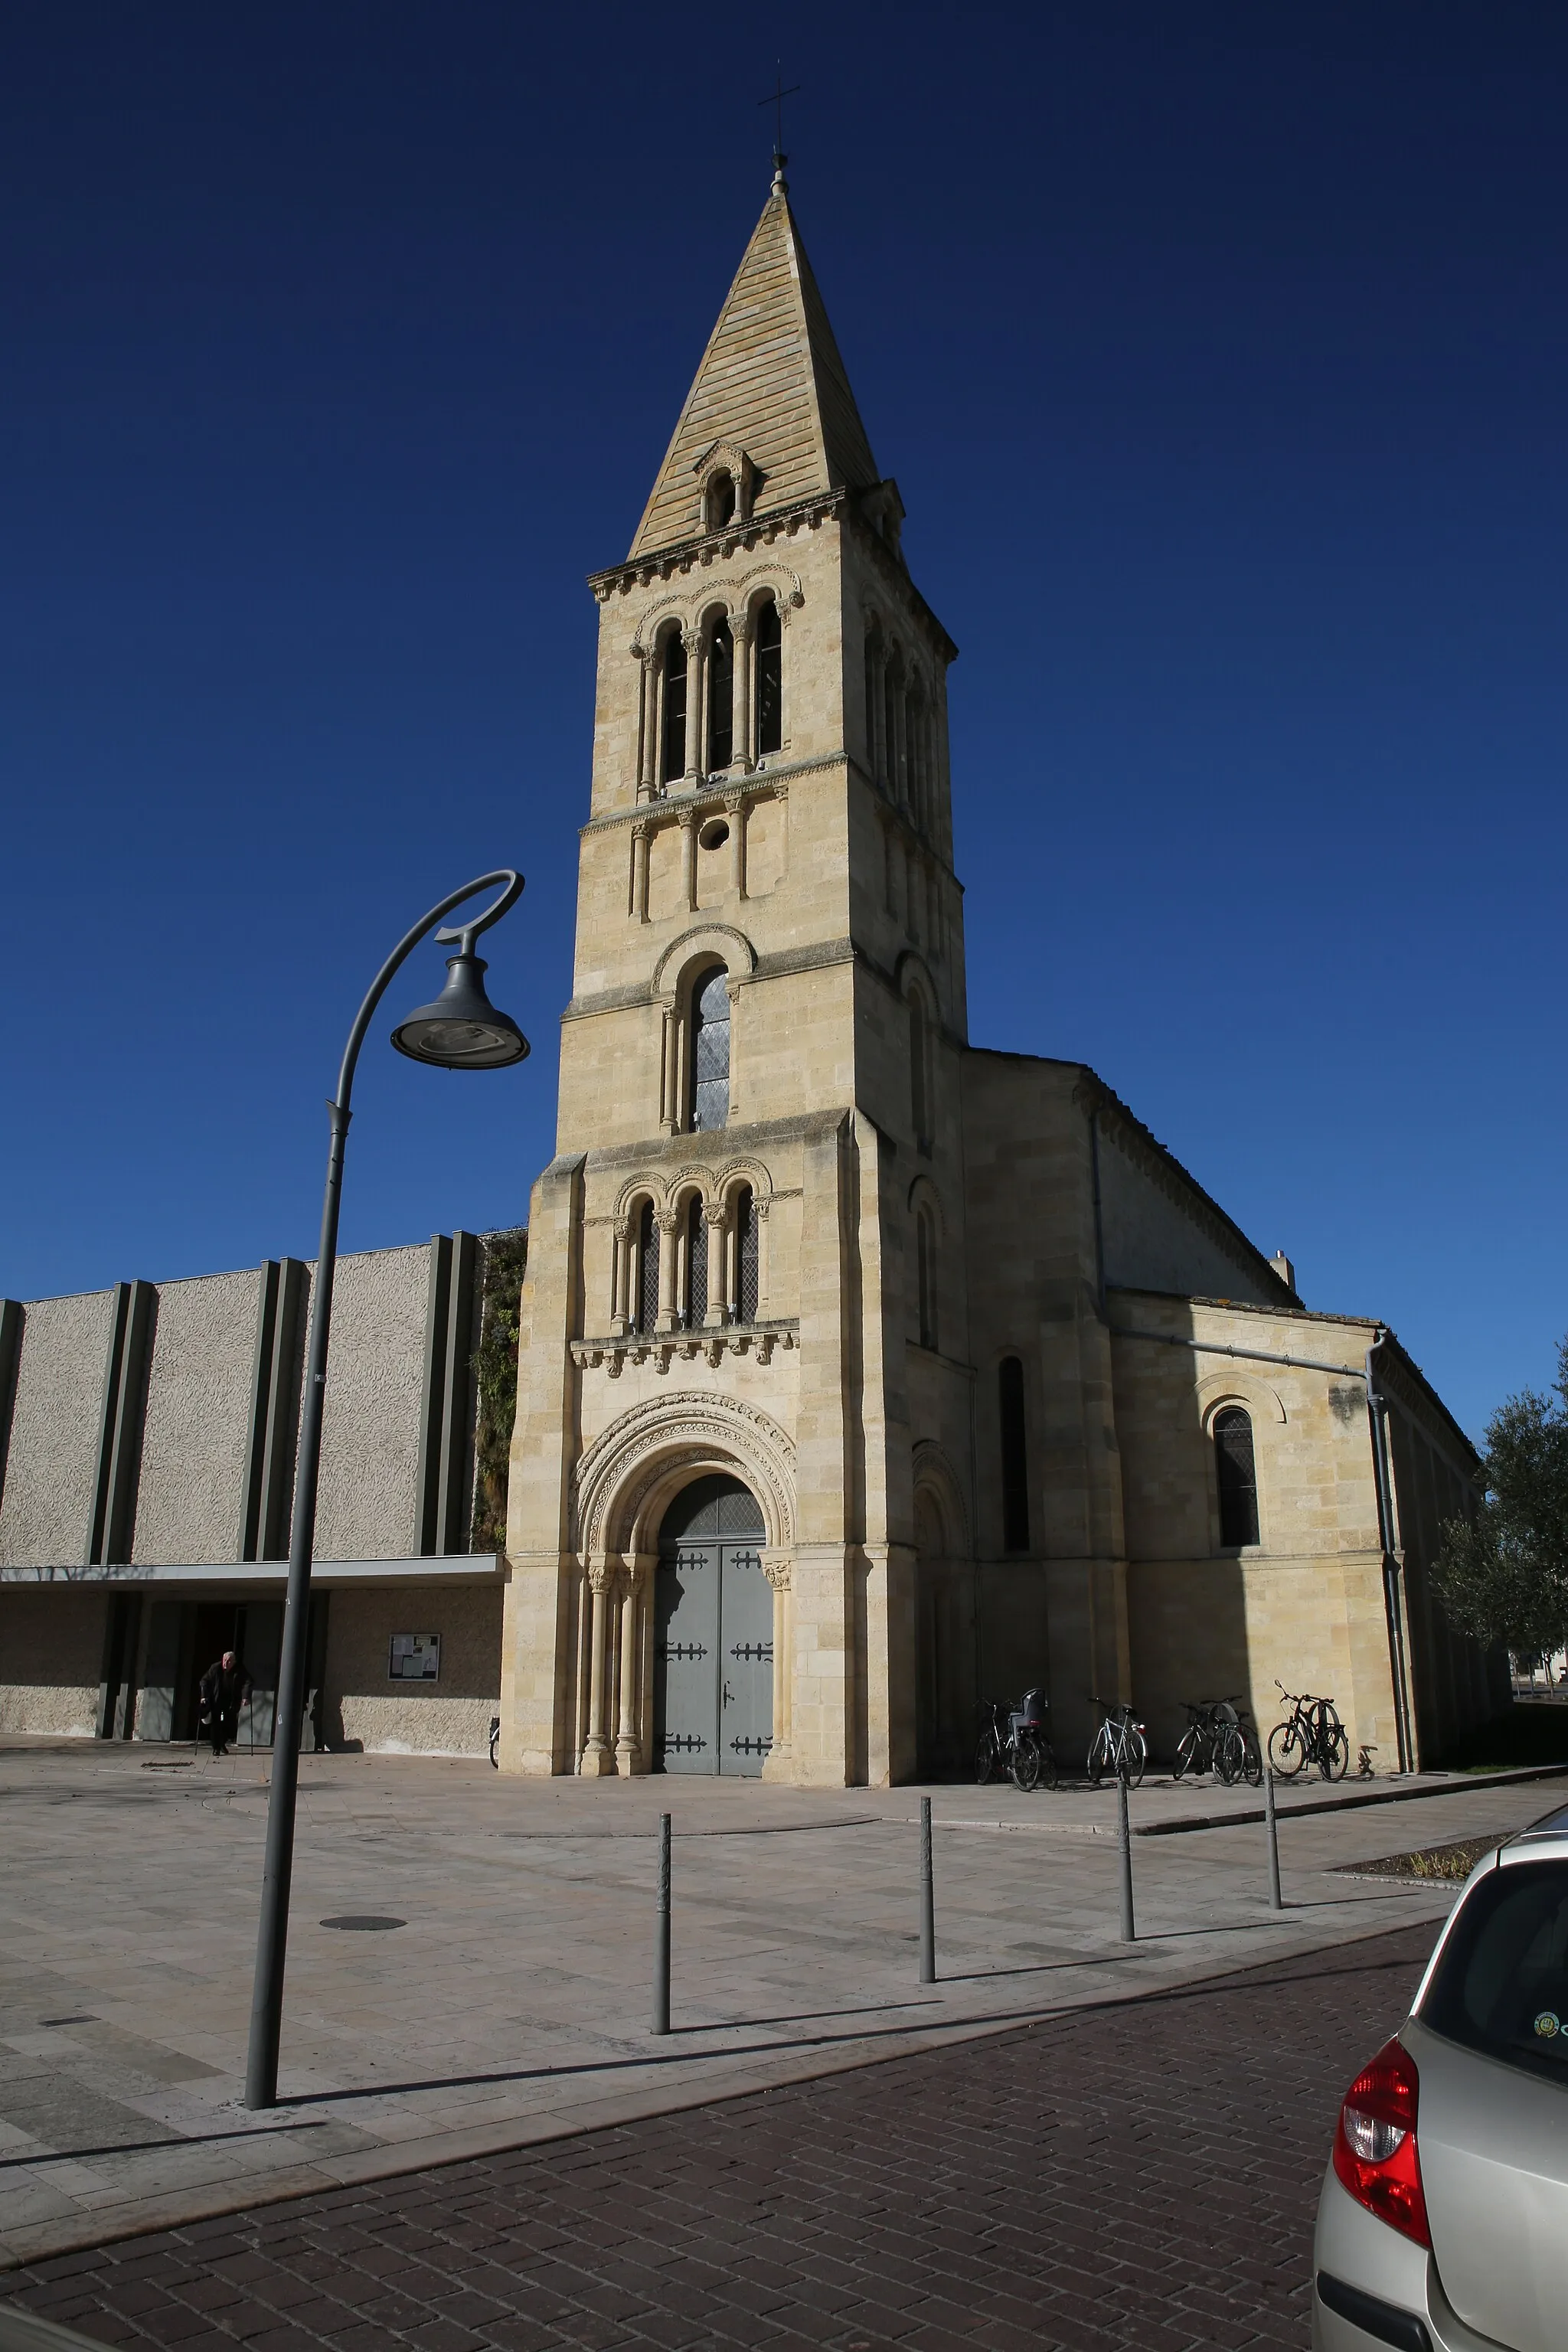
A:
495	1380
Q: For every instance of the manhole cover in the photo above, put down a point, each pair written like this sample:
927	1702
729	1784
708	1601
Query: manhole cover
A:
367	1921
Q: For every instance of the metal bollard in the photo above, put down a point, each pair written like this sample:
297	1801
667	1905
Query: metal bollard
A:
1124	1825
928	1900
1276	1899
661	1935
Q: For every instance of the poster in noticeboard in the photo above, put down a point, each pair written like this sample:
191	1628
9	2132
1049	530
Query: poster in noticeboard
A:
414	1658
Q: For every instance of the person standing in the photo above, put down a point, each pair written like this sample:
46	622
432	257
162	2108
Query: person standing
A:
224	1689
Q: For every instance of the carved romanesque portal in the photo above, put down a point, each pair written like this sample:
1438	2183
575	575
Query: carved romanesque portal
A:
713	1634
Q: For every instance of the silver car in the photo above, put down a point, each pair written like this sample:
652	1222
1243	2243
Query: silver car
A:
1443	2224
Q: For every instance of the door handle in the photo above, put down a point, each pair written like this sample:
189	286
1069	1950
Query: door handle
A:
729	1696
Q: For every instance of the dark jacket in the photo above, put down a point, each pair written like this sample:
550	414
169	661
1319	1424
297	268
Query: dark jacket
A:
223	1694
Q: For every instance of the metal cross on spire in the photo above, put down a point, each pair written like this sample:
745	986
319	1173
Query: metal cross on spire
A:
776	98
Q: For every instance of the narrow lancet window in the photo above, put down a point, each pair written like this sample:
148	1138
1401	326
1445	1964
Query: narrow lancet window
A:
770	679
720	698
746	1256
1238	1474
925	1254
647	1270
696	1266
710	1050
672	763
721	502
1015	1456
919	1105
873	703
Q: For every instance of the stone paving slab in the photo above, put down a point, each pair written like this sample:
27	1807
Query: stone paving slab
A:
1137	2173
511	2007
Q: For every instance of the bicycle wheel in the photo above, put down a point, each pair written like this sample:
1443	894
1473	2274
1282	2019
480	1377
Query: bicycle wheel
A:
1025	1762
985	1759
1134	1756
1251	1757
495	1743
1228	1756
1100	1757
1335	1759
1189	1753
1049	1774
1287	1751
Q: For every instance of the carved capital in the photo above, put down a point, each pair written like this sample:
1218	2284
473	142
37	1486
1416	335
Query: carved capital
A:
775	1568
641	829
666	1220
713	1215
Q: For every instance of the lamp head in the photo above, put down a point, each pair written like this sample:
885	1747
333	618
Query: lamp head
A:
462	1029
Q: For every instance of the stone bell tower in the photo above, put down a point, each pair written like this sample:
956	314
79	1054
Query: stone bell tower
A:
738	1238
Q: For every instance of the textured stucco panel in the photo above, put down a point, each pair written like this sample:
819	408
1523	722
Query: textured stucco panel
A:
51	1650
370	1437
47	1499
448	1717
198	1409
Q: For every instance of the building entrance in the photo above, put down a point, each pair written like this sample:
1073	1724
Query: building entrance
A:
713	1634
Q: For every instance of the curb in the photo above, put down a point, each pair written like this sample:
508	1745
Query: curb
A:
1456	1787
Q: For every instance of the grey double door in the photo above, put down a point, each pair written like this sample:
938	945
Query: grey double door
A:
713	1634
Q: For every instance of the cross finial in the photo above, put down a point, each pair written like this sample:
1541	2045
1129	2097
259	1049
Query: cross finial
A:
776	98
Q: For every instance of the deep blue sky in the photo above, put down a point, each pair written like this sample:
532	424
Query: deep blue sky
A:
1221	352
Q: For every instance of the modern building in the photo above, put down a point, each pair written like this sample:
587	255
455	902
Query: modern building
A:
865	1370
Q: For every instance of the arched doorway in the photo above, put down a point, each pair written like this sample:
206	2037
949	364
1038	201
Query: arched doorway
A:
713	1634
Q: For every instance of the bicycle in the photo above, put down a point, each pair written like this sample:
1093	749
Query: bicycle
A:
1218	1739
1121	1745
495	1740
1313	1734
1012	1739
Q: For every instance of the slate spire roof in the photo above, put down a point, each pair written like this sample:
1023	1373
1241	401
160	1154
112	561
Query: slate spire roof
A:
771	382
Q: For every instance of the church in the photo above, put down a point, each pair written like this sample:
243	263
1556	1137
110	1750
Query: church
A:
865	1371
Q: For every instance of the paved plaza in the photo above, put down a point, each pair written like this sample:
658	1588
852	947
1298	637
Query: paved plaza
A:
1139	2174
511	2005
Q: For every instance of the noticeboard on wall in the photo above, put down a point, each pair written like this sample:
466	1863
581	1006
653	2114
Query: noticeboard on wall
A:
414	1658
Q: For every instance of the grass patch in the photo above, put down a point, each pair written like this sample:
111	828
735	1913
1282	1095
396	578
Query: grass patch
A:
1451	1863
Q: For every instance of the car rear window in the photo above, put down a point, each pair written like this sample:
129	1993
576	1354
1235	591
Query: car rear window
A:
1502	1985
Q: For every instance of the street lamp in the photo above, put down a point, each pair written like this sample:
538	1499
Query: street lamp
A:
461	1030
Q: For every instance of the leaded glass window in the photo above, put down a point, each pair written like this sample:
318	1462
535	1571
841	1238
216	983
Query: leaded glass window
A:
746	1256
770	679
673	763
647	1270
696	1265
1238	1472
720	698
711	1051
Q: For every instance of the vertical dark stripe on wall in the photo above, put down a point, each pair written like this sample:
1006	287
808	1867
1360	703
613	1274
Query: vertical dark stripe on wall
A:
13	1321
274	1410
456	1413
437	1315
255	1436
120	1424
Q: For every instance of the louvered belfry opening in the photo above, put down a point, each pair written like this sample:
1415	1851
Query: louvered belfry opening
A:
1236	1468
648	1269
711	1051
672	765
720	698
770	680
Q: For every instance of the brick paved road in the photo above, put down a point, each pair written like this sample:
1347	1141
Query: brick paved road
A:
1143	2175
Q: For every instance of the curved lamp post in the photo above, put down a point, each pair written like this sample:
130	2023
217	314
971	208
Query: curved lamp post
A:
460	1031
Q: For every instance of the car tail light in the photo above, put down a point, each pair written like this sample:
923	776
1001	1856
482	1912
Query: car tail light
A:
1374	2147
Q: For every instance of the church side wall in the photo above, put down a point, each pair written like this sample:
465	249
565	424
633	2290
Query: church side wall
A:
363	1707
1155	1235
198	1409
52	1643
46	1504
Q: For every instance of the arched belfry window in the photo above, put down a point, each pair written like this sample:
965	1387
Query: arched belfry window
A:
696	1300
770	679
925	1268
746	1285
710	1050
720	698
672	759
1236	1468
646	1293
1015	1456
